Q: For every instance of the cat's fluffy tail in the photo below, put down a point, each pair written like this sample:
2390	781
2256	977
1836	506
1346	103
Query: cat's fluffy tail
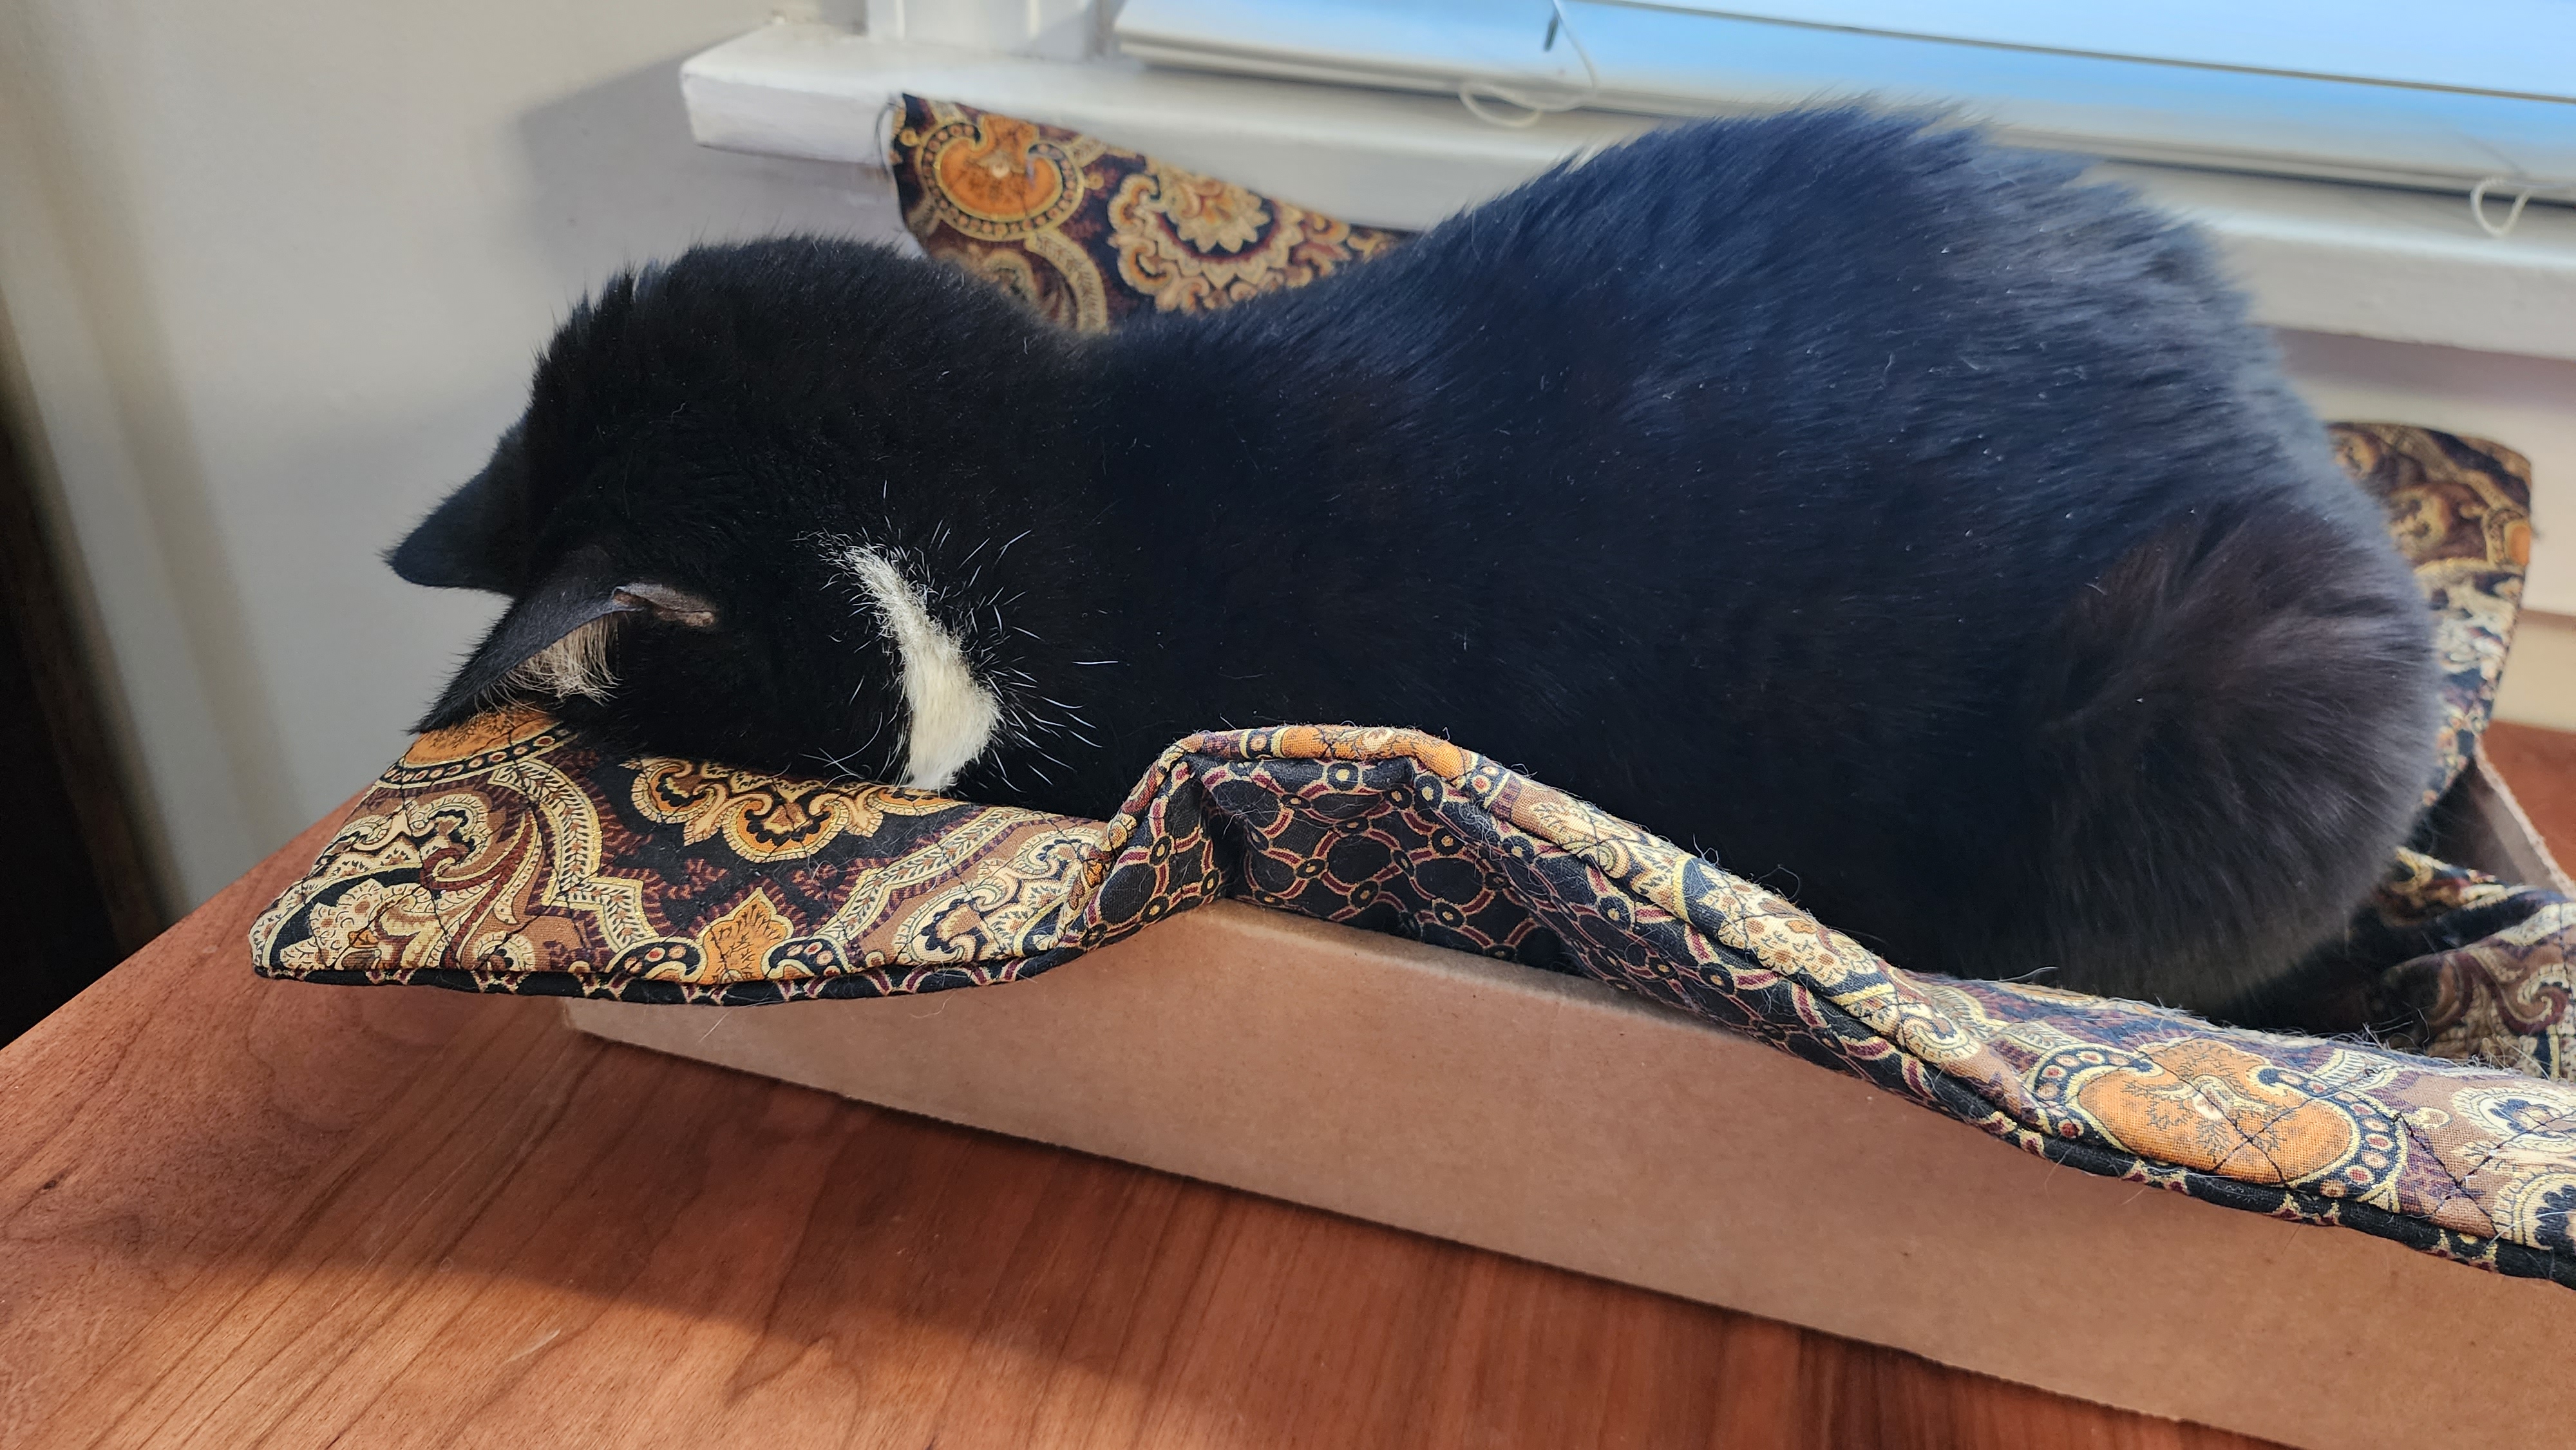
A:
2231	730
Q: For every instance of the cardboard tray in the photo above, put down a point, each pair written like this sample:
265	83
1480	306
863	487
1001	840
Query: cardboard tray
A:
1560	1120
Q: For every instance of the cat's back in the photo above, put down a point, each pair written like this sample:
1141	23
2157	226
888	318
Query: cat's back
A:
1782	314
1772	229
1953	501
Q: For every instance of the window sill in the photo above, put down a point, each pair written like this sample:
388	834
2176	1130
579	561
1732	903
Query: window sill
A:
2318	256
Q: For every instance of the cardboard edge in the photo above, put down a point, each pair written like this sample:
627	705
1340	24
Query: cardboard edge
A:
2497	837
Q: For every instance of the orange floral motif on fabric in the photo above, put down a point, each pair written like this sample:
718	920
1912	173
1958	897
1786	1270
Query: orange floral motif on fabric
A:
2210	1104
999	177
1088	233
739	943
768	817
1193	243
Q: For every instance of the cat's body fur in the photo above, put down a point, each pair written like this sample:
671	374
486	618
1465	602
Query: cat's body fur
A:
1880	512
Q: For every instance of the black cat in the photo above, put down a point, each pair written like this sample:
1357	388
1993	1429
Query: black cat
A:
1883	512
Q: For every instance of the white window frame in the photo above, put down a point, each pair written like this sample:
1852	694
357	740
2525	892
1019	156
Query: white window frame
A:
2483	97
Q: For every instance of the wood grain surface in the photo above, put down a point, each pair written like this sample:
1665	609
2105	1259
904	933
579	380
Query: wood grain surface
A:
243	1212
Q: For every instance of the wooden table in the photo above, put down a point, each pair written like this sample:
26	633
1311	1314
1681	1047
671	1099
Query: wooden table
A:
238	1211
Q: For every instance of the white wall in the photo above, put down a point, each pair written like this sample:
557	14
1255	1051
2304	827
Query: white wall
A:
274	271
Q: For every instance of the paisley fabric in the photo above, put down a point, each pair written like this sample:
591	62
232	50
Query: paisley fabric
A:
2482	967
2485	969
507	855
2460	509
1088	233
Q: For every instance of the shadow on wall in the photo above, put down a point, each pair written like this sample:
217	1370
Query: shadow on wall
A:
623	150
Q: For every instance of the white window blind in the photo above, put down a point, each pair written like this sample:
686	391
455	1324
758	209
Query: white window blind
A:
2448	97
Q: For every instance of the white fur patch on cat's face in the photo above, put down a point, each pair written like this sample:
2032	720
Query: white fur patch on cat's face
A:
952	715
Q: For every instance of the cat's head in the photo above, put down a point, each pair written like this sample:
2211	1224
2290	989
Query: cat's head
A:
761	507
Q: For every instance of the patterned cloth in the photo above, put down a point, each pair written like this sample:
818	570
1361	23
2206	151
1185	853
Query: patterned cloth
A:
1088	233
507	855
2482	969
2460	509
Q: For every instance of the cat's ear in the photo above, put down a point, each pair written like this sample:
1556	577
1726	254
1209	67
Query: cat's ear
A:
581	590
478	537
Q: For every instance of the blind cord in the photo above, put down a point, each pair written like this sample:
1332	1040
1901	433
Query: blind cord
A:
1474	92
